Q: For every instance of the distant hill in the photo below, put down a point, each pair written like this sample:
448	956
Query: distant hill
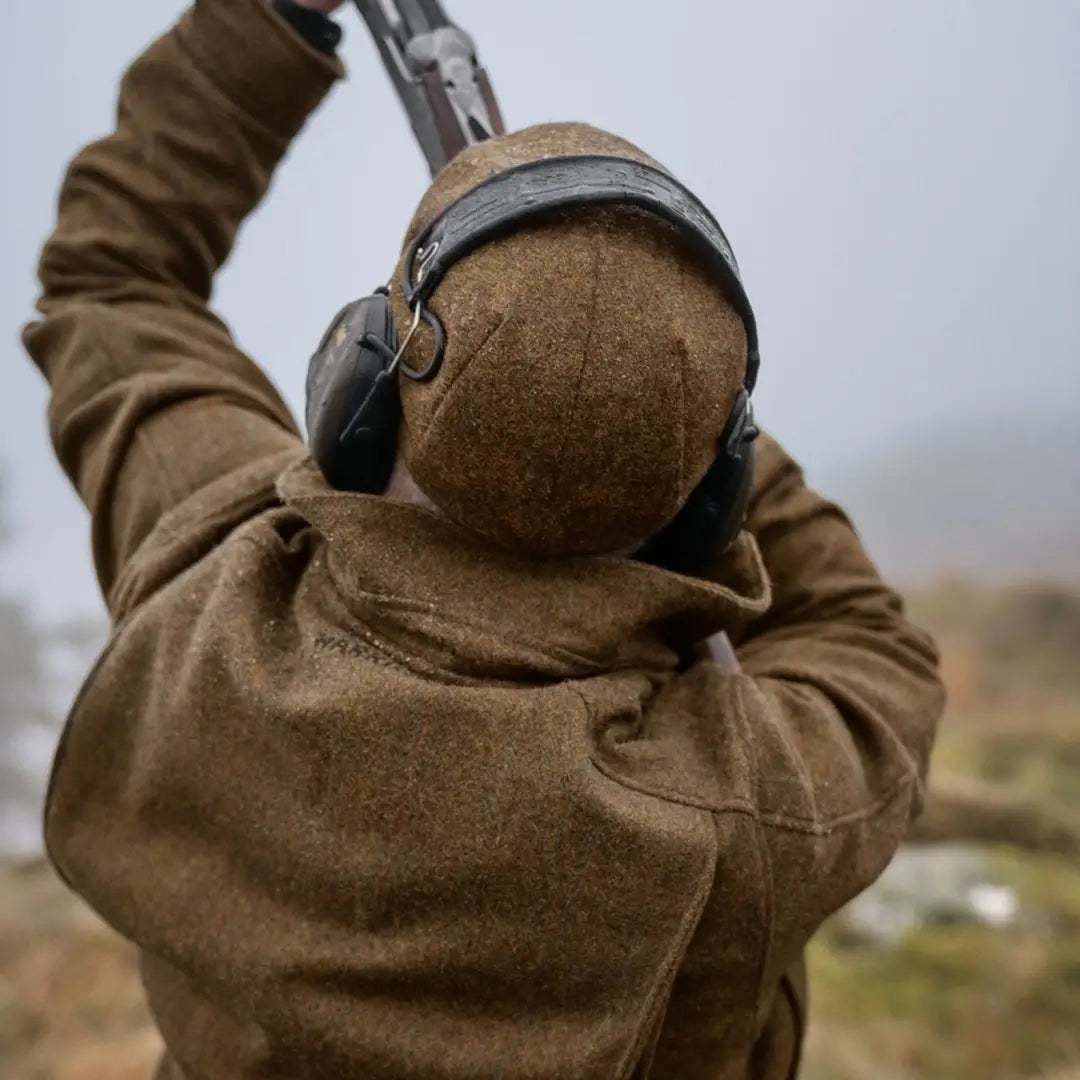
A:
996	500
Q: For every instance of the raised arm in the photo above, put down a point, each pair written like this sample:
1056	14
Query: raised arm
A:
151	401
844	698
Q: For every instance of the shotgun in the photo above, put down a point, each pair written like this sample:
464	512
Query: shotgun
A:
433	65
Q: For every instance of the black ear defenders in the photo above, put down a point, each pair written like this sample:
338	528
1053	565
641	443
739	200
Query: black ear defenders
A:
353	398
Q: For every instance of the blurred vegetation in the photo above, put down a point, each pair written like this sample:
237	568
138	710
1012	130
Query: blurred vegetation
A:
953	999
22	685
71	1005
956	1001
40	668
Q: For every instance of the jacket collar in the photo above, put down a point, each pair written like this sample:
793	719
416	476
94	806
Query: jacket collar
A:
443	594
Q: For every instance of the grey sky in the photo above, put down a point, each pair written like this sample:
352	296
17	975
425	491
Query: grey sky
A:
900	181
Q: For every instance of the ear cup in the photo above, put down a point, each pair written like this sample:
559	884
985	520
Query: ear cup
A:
713	515
353	405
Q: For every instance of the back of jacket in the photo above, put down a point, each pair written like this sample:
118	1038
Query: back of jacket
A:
377	799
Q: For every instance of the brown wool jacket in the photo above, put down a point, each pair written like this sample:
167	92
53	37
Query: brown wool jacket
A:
373	798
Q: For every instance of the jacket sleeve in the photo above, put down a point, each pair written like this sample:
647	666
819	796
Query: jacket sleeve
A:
151	400
842	699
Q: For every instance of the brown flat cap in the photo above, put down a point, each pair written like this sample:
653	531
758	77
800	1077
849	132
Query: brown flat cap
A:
591	362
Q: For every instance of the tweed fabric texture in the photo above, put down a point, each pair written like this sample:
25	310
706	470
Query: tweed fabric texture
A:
378	796
591	364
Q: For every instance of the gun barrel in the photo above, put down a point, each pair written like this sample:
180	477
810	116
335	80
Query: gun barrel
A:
422	16
432	63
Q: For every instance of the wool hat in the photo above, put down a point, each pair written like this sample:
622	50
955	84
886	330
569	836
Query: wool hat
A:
591	363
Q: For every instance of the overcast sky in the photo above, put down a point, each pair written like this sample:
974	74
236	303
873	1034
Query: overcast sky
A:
900	180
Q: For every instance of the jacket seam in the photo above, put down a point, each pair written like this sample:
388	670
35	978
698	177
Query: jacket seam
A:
781	822
661	991
128	592
798	1023
379	643
404	603
357	596
769	901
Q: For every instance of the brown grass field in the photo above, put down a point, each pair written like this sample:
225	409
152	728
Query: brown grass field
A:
951	1000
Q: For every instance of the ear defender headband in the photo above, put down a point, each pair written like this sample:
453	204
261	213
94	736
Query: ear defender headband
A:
354	405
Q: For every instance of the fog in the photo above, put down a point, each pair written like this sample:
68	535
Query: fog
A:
899	181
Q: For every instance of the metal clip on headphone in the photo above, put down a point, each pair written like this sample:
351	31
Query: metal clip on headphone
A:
353	398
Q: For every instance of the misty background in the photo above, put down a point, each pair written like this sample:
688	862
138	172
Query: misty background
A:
899	181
